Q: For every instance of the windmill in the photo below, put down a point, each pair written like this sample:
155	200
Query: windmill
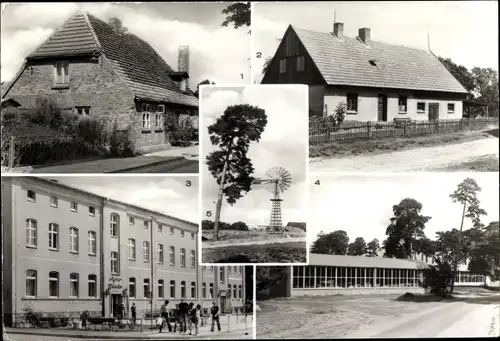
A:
276	180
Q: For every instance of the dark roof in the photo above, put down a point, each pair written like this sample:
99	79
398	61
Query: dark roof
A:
9	101
348	61
364	262
134	60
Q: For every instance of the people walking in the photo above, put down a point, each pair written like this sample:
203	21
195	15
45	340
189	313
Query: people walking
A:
176	318
134	312
215	316
190	316
197	318
164	311
183	312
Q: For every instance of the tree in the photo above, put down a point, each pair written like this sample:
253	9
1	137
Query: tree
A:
239	226
466	195
438	278
461	73
486	81
372	248
300	225
340	112
229	164
425	246
333	243
238	14
485	250
266	65
407	226
357	248
117	26
197	92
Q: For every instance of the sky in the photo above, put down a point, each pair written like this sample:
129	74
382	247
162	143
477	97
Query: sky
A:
167	195
465	31
220	54
277	147
362	204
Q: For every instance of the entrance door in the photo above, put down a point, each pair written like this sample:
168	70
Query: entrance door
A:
382	108
223	304
433	111
116	300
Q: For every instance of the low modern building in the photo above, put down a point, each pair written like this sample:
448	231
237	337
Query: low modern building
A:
376	81
67	250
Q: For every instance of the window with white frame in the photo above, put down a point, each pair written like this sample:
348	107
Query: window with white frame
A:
158	121
146	288
172	289
31	282
146	107
74	207
53	236
131	287
193	259
92	243
145	251
131	248
172	231
451	108
160	228
73	285
161	293
73	239
211	292
53	201
193	289
61	72
83	111
113	225
31	195
146	120
235	291
92	285
183	289
114	262
402	101
183	257
192	235
160	253
131	220
146	224
301	63
92	211
31	232
182	234
204	290
239	291
172	255
420	107
53	284
222	274
352	103
282	66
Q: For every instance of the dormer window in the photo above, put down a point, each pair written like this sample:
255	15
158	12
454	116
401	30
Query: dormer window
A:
182	85
61	72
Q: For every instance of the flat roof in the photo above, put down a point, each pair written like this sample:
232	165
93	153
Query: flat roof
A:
364	262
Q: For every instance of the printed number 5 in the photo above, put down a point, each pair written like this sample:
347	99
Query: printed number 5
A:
209	213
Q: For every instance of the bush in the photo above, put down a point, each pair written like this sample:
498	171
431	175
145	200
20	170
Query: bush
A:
340	112
438	278
93	131
32	317
180	134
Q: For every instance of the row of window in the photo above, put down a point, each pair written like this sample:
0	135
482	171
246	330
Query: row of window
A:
234	269
300	64
159	252
54	202
345	277
466	277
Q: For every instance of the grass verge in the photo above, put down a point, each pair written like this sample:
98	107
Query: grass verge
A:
294	252
487	163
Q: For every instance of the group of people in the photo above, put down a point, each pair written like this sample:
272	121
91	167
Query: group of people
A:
186	316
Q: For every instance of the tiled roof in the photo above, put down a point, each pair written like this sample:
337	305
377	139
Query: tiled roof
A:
364	262
134	60
346	61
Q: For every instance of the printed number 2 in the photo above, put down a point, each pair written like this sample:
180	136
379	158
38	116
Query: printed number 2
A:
259	54
209	213
317	182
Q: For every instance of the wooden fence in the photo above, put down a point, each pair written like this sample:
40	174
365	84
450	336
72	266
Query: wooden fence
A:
324	130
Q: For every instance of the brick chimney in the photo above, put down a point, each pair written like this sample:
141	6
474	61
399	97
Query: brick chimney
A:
338	30
364	35
183	65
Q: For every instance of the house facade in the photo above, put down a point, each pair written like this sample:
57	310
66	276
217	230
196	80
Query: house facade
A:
67	250
376	81
90	69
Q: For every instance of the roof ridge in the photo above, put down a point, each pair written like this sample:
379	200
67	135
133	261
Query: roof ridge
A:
87	21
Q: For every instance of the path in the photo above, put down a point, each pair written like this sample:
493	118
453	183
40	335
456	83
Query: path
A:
421	159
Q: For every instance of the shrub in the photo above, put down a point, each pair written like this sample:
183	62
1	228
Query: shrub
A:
93	131
340	112
438	278
113	142
32	317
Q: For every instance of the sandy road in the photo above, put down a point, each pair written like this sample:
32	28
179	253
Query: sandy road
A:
421	159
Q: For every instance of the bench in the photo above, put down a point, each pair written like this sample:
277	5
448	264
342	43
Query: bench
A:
102	321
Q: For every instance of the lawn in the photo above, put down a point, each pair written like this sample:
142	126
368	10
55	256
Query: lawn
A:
487	163
292	252
340	150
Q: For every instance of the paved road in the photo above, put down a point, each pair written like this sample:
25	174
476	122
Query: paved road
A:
421	159
184	166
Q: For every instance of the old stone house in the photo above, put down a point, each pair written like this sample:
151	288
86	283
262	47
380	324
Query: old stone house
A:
377	81
91	69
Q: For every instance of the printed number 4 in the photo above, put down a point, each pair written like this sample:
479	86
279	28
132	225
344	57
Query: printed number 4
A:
317	182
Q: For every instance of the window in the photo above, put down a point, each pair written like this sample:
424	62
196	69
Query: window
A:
172	289
73	239
193	289
92	243
229	287
31	195
352	103
146	107
193	259
74	207
160	228
146	224
421	108
114	262
73	285
235	269
31	232
146	287
300	63
183	257
172	231
53	284
145	251
239	291
160	289
204	290
160	253
53	201
83	111
113	225
146	121
53	236
160	108
158	121
451	108
30	283
192	235
211	290
131	248
182	234
92	285
172	255
402	100
131	287
131	221
221	274
183	289
282	66
92	211
61	72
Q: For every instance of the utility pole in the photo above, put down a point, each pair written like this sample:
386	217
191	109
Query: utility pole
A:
151	258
